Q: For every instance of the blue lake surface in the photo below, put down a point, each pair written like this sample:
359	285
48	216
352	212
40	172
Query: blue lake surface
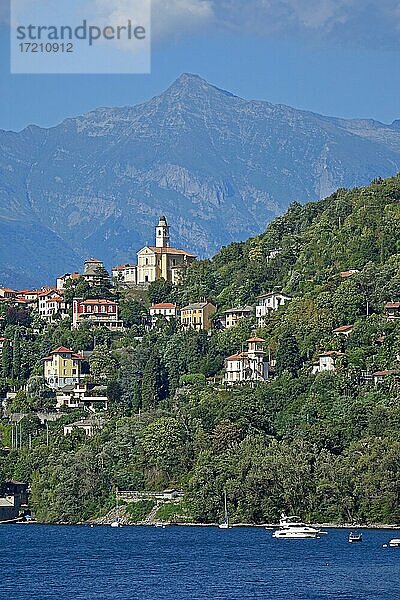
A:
196	563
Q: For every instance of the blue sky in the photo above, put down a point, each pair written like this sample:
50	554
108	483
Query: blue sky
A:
336	57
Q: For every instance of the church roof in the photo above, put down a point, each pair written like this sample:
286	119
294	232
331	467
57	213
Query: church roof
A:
168	250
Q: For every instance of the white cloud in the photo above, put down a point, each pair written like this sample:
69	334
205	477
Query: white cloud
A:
169	17
361	22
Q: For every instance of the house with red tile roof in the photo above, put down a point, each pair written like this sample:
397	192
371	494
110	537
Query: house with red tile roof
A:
98	312
7	293
165	310
62	367
349	273
343	330
247	367
327	361
392	310
381	376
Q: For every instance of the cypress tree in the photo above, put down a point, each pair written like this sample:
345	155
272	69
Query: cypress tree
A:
154	382
288	356
16	362
6	359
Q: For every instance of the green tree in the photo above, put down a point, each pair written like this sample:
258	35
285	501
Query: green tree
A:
6	357
288	355
154	382
16	363
103	365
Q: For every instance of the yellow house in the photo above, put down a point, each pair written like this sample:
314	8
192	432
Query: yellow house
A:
62	367
161	261
198	315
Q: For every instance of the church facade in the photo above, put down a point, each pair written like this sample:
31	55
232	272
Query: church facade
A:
161	260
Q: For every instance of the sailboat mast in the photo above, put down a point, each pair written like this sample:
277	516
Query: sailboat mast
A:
226	507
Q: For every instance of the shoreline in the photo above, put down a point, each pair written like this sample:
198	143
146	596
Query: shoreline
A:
267	526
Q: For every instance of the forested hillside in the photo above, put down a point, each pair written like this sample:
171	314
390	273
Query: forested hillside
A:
326	446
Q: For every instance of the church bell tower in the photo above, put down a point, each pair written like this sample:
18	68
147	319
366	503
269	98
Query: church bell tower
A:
162	233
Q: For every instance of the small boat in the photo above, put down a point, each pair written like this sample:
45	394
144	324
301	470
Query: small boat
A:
393	543
355	537
161	525
293	528
225	522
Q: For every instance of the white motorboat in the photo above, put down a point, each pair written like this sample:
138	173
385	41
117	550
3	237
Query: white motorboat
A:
394	543
355	537
293	528
116	524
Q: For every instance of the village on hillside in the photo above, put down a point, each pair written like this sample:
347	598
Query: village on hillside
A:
170	361
71	382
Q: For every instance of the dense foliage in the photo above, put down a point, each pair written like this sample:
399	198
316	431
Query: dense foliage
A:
326	446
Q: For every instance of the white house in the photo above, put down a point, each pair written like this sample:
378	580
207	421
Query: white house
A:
62	280
268	303
81	395
88	426
124	275
327	361
343	330
392	310
380	376
167	310
231	317
247	367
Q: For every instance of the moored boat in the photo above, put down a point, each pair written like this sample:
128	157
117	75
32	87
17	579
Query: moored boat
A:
225	522
293	528
355	537
117	522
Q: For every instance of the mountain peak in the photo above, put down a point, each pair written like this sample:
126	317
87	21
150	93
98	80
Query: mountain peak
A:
190	83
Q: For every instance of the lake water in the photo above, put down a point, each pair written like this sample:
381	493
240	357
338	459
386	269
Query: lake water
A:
196	563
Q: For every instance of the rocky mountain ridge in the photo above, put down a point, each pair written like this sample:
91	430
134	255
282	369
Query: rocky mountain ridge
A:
219	166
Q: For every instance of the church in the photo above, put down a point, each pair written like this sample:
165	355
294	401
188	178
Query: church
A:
161	261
